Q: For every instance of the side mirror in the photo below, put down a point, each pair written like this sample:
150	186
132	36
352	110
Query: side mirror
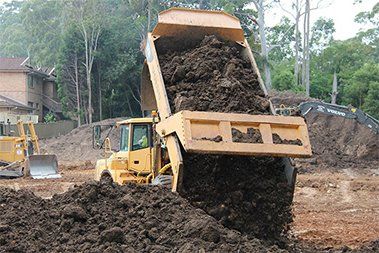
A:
96	136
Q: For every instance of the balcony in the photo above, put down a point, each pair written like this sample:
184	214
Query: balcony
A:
51	104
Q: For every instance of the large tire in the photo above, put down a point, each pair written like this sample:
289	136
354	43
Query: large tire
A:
106	178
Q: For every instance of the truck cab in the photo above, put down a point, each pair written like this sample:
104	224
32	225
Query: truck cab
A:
134	160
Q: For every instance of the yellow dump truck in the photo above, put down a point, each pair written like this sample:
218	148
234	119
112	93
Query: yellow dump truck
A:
151	148
20	155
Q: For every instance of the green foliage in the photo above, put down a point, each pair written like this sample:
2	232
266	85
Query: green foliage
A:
50	117
49	32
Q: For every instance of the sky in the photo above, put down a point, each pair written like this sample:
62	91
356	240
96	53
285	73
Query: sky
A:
341	11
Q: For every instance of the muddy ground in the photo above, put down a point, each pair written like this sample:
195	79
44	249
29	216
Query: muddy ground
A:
98	217
332	210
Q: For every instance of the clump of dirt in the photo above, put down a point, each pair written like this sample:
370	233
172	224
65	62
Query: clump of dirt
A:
334	147
251	136
218	138
278	140
244	193
76	146
99	217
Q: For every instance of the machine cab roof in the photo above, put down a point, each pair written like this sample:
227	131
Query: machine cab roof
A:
135	121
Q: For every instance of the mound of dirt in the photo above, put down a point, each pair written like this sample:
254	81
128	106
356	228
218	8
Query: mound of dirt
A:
212	77
76	146
339	143
243	193
98	217
288	98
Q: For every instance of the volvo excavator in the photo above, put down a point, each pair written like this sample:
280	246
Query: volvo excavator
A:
20	155
151	148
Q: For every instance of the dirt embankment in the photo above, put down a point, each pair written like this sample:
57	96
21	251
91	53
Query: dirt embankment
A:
337	142
76	146
247	194
97	217
340	143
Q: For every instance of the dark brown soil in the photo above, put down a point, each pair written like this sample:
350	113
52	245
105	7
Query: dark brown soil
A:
247	194
339	143
277	140
212	77
98	217
252	136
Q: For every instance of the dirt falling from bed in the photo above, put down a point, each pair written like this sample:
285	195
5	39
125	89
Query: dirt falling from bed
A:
245	193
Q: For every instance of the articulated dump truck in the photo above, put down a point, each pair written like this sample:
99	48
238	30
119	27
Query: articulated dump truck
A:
159	157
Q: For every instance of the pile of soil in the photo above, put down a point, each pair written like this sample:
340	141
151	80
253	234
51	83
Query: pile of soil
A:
99	217
212	77
76	146
288	98
334	147
337	142
243	193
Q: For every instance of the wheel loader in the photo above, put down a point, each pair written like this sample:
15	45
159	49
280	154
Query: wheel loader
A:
20	155
151	148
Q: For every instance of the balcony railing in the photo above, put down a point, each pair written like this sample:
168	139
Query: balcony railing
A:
51	104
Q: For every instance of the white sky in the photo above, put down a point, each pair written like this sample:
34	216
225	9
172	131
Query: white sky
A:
342	12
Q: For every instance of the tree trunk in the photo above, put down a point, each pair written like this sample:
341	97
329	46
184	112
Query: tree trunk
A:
100	95
264	51
297	37
334	89
77	90
148	15
306	53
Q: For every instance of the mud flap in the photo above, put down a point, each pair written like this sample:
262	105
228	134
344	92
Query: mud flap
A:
42	166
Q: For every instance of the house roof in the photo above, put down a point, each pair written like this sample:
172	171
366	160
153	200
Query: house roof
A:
22	64
13	63
10	103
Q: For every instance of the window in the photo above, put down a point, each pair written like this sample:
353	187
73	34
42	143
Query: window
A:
124	144
140	137
30	104
37	105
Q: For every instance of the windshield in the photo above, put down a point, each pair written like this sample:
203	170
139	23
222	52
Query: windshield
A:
124	144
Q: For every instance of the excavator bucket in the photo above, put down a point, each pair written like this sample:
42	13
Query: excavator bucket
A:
43	166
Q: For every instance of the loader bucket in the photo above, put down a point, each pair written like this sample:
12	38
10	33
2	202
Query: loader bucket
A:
43	166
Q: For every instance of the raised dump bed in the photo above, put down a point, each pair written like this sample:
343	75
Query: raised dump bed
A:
179	29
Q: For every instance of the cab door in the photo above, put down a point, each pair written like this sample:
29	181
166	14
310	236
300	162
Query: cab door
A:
140	148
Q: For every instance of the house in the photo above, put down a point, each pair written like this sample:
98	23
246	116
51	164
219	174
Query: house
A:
26	89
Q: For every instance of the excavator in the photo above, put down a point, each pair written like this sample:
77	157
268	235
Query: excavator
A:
20	155
151	148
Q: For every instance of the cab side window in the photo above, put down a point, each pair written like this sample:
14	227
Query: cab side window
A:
140	137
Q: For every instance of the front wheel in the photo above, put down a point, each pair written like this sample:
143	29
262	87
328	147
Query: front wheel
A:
106	178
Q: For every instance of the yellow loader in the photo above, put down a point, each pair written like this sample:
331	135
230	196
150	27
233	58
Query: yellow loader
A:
151	148
20	155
